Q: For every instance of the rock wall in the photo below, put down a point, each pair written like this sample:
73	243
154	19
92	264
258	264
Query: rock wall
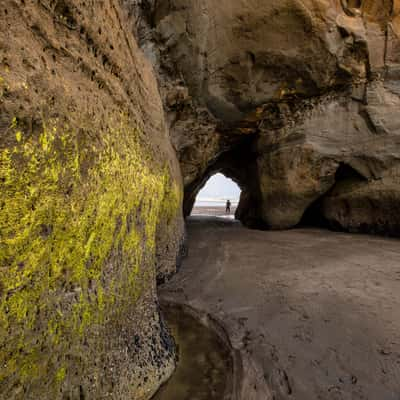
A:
358	128
313	84
90	205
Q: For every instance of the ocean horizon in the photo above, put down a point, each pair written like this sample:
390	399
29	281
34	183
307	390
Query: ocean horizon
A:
210	202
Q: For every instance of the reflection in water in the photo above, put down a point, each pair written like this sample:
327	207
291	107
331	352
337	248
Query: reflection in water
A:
205	363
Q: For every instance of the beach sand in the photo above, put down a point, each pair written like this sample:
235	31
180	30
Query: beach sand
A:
216	211
314	314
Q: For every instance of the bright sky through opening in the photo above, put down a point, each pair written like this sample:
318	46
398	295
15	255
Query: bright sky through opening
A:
219	187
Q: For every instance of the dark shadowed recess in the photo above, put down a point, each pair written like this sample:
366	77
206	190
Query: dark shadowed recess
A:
315	214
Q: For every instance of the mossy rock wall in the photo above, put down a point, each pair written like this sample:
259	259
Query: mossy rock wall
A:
90	194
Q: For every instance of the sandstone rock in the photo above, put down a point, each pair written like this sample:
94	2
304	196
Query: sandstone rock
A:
371	207
90	196
313	84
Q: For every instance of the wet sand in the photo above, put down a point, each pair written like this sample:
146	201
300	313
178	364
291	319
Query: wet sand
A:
216	211
314	314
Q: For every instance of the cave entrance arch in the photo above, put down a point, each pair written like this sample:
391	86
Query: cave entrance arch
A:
213	196
239	163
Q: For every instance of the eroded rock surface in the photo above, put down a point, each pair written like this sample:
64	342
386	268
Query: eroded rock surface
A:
90	203
312	84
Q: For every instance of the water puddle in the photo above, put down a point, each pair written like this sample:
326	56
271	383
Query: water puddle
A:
204	370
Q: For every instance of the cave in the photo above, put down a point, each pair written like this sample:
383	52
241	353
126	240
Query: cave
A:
238	163
317	213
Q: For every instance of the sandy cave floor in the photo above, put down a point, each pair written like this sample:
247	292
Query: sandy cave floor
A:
314	314
215	211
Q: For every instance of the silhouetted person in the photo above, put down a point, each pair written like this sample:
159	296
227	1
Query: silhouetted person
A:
228	206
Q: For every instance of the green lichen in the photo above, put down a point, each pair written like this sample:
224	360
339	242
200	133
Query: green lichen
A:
60	375
77	226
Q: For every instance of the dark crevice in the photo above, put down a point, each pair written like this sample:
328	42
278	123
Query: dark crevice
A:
314	215
354	3
345	172
65	14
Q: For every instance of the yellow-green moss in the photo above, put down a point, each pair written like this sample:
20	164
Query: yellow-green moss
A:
60	375
78	221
